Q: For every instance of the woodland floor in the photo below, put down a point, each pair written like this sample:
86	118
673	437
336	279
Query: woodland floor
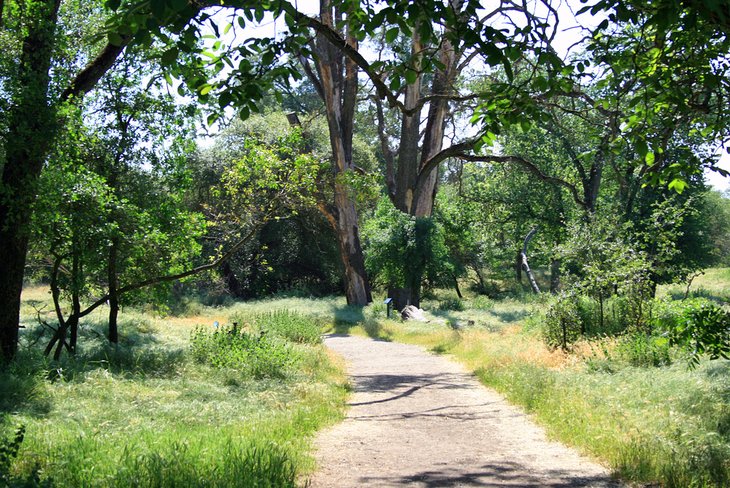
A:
419	419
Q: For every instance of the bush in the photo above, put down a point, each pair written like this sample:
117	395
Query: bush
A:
703	328
9	448
481	302
563	324
256	355
638	349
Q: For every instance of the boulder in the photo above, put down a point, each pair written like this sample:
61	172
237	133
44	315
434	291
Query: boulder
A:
413	313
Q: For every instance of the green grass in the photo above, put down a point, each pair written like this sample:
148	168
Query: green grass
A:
148	414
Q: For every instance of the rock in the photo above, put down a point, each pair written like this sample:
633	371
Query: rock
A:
413	313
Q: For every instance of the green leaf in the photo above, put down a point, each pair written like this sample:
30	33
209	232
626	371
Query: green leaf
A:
158	8
411	76
678	185
113	4
212	118
205	89
178	5
225	99
391	35
508	69
115	39
169	56
650	158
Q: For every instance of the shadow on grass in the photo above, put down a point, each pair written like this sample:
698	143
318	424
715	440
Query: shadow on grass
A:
721	297
24	382
510	316
448	315
349	316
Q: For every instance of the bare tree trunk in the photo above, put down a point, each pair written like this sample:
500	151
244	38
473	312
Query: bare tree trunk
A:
525	264
336	81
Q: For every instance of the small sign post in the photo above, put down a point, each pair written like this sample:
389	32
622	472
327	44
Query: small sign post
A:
389	304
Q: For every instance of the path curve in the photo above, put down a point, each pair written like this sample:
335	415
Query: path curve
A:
418	419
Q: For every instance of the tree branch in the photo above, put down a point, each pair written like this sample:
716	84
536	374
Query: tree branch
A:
178	276
92	73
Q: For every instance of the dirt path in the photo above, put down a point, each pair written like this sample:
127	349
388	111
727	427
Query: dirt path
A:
418	419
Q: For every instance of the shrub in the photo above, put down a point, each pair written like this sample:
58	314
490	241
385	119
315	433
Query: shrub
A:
481	302
257	355
9	448
703	328
638	349
562	325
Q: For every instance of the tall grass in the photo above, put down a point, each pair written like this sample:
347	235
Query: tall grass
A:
147	413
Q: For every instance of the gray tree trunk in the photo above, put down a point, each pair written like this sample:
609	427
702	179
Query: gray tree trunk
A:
337	83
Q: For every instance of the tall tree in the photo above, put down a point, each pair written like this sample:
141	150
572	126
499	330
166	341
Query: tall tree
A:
336	82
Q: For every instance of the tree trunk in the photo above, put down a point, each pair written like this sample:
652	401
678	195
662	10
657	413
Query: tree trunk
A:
113	280
73	319
402	297
525	264
456	287
554	275
30	131
337	84
357	288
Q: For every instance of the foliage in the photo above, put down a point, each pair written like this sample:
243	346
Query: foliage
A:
293	326
147	413
562	324
254	355
451	304
641	350
9	448
702	329
262	169
666	425
401	250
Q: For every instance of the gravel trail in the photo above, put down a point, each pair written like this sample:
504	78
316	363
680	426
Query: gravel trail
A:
418	419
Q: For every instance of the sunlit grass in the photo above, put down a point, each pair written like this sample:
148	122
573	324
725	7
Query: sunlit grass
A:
145	414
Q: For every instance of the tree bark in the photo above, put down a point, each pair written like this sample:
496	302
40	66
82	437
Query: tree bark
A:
113	283
554	275
525	264
337	78
77	281
31	129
